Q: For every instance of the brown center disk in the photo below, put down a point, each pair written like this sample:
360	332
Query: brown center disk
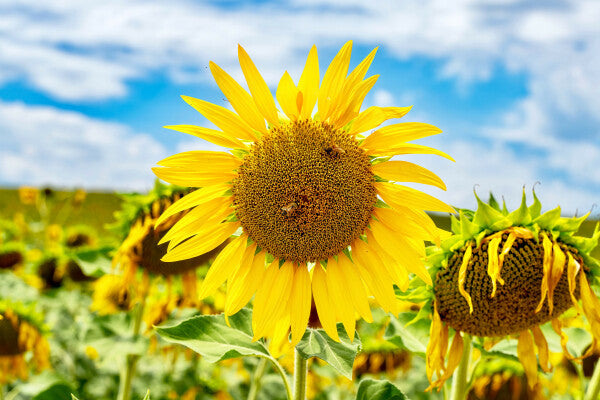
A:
9	338
512	309
305	191
9	259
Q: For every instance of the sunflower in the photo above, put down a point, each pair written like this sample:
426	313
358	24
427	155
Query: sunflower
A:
504	275
141	249
303	191
22	342
110	295
12	255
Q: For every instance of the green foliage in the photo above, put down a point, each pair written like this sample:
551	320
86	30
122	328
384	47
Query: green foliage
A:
340	355
413	337
370	389
211	336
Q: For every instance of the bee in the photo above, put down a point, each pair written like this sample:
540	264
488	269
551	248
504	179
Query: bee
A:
290	209
334	150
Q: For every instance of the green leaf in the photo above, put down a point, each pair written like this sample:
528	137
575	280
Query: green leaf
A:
370	389
413	337
93	262
211	337
147	396
73	397
340	355
47	386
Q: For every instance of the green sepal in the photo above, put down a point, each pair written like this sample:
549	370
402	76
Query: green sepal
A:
548	219
486	216
493	203
380	179
583	244
520	216
468	229
480	236
451	242
239	153
379	160
454	224
381	204
536	208
571	224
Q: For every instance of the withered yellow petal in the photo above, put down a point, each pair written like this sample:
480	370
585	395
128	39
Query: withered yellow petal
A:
526	354
462	276
493	268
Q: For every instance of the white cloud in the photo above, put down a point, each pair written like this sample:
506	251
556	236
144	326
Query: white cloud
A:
47	146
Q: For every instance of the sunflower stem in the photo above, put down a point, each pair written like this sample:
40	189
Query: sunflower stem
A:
459	381
593	389
255	384
131	359
300	372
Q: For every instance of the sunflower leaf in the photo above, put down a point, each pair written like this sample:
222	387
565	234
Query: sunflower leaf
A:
413	337
340	355
370	389
211	337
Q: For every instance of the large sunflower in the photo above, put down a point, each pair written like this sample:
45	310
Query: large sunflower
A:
504	274
315	206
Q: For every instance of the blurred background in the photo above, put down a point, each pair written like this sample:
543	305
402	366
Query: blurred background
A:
85	87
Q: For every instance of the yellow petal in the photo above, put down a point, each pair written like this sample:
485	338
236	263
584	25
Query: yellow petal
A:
348	273
202	160
347	114
245	283
573	268
558	266
506	248
239	277
422	219
228	121
194	199
527	357
402	196
224	266
287	96
272	301
308	84
395	269
374	275
201	244
323	301
212	212
403	224
404	171
374	116
333	80
240	100
564	339
462	276
435	355
300	302
279	344
542	346
454	356
353	81
339	299
398	134
193	178
407	148
493	268
591	309
258	87
547	245
217	137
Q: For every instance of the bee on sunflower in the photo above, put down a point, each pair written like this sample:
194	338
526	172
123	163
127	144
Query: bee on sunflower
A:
22	342
504	274
300	192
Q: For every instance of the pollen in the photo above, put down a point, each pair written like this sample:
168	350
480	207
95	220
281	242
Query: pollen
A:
515	305
304	191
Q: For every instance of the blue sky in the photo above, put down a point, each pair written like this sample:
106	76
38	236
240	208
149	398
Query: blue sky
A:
85	87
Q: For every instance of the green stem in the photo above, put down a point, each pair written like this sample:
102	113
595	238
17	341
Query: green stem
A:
300	372
281	372
1	391
593	389
131	359
255	384
459	381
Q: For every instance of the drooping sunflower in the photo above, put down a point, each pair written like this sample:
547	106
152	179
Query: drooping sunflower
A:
22	342
314	203
140	252
110	295
504	274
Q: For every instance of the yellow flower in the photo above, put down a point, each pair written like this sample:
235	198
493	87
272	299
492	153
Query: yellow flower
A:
28	195
22	344
110	295
304	190
506	274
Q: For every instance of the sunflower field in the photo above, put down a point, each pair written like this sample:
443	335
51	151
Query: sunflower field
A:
295	264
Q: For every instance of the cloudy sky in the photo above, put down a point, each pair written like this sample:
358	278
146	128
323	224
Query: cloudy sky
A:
86	86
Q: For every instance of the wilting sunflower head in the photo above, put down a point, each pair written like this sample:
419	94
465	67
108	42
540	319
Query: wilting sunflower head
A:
506	273
12	255
22	342
307	195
